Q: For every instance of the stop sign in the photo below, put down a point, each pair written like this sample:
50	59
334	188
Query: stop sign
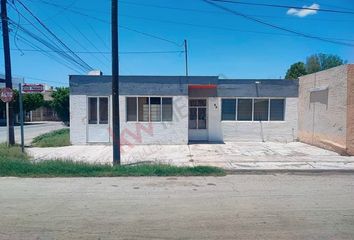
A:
6	94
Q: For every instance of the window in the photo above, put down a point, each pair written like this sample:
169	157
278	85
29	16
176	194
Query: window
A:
167	109
155	109
244	110
131	109
143	109
103	106
258	109
261	107
228	109
98	110
197	103
149	109
277	109
92	109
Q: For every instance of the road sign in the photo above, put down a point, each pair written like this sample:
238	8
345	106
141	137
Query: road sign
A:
6	95
32	88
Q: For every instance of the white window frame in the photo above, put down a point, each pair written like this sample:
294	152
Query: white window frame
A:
98	110
253	98
137	109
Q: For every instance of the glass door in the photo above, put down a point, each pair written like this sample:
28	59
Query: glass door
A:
197	114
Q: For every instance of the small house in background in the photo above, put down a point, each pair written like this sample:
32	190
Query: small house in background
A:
180	110
44	113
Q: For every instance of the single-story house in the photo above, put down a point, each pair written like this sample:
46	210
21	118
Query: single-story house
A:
181	109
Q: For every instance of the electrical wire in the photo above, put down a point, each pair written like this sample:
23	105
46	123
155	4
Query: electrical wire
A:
219	27
121	26
187	24
284	6
212	3
88	67
99	52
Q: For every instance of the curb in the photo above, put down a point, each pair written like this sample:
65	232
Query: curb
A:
288	171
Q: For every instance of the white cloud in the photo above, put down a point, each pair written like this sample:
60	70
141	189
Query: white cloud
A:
304	12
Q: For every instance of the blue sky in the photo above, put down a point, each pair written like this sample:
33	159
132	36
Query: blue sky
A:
219	43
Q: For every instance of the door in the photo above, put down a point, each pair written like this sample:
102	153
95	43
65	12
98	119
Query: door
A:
198	130
98	120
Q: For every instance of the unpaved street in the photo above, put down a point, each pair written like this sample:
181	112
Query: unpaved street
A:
277	206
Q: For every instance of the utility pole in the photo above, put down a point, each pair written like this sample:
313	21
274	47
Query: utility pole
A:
8	77
186	55
115	84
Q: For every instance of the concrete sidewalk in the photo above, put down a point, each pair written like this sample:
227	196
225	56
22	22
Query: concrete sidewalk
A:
230	156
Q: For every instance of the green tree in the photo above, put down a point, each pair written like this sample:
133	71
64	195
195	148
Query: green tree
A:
60	103
296	70
30	102
321	61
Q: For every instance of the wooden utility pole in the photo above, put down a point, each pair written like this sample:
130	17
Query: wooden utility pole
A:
8	76
115	84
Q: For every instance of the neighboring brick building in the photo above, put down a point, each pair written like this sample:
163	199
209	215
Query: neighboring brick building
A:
326	109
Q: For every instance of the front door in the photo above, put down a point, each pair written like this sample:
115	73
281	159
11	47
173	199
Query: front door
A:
98	120
198	120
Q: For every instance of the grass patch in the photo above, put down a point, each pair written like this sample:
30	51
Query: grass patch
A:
58	138
15	164
13	152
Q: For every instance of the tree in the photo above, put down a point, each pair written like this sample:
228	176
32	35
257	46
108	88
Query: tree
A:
60	103
296	70
321	61
30	102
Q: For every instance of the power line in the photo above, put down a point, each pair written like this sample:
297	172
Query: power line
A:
88	67
284	6
78	11
98	52
218	12
98	36
89	41
211	2
150	35
47	44
80	44
218	27
188	24
120	26
41	40
51	56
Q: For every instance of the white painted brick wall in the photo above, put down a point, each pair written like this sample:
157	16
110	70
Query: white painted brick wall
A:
175	132
285	131
133	133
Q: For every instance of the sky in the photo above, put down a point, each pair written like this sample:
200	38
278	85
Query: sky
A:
219	42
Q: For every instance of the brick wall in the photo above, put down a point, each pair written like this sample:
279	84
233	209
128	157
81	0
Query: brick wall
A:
350	111
132	133
175	132
323	109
